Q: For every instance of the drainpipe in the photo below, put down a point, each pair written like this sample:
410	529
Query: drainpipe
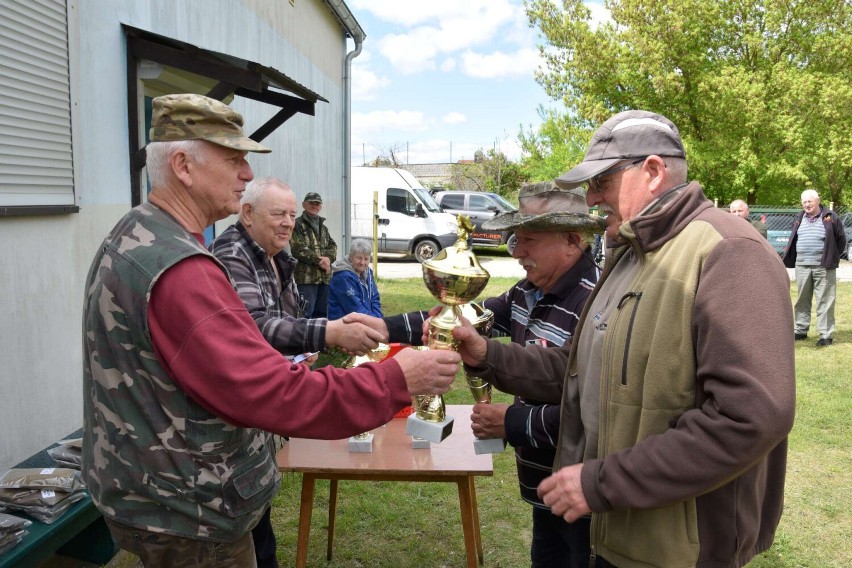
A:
347	146
353	30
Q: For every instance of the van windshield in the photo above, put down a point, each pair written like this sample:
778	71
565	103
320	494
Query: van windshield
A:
428	201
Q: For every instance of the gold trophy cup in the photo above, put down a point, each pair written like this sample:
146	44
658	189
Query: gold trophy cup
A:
454	277
482	320
363	443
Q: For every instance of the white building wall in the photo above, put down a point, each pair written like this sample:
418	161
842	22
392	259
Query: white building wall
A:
44	259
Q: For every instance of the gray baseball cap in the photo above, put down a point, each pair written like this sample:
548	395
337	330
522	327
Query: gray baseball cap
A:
628	134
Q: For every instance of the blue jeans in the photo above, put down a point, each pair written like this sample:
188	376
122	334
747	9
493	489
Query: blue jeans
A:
316	299
557	543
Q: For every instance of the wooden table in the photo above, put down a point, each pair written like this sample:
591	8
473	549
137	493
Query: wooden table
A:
392	459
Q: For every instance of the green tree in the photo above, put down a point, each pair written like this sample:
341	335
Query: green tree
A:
554	147
760	89
490	171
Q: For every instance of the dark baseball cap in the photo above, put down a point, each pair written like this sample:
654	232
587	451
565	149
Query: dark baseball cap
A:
629	134
196	117
313	197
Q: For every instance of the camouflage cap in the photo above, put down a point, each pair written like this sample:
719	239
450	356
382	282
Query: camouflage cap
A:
196	117
571	212
313	197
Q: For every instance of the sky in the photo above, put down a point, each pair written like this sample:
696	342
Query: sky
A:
439	79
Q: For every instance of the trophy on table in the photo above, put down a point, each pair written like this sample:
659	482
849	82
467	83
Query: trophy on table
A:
454	277
363	443
482	320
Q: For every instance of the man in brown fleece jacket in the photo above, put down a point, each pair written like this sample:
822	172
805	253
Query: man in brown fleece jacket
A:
674	415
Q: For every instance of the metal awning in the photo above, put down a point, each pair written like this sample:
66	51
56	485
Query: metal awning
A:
217	75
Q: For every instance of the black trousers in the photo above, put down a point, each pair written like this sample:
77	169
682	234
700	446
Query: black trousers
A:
264	541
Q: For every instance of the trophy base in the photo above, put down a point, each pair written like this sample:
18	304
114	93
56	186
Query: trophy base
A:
361	445
420	444
435	432
489	446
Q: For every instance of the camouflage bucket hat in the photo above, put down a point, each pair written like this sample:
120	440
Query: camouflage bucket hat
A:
313	197
196	117
573	215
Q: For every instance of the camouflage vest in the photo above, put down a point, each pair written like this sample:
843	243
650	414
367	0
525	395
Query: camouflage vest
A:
152	457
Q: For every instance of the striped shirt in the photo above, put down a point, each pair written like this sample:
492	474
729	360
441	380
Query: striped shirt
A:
810	242
277	310
527	315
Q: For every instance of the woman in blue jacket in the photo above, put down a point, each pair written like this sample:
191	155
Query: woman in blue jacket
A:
352	287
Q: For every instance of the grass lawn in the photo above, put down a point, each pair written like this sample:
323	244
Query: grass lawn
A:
386	524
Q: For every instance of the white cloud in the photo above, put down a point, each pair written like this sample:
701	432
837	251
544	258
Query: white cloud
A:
600	14
383	120
448	65
412	12
454	118
441	27
366	85
498	64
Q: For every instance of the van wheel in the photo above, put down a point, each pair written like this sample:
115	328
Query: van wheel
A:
426	249
510	243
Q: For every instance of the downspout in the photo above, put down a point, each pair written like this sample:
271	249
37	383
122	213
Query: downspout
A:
353	30
347	145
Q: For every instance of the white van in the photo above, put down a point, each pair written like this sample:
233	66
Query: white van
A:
410	221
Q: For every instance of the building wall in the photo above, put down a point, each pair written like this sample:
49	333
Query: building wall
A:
431	175
44	259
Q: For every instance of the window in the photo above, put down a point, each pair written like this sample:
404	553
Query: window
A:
401	201
480	203
36	158
451	201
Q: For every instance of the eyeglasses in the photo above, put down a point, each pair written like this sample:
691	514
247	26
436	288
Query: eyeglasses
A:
594	184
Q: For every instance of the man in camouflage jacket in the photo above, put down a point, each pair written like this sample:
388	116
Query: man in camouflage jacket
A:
313	247
180	385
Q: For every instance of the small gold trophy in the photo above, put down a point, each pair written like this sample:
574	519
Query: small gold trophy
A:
454	277
363	443
482	320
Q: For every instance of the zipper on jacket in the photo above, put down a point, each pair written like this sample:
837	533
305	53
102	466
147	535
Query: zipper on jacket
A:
621	302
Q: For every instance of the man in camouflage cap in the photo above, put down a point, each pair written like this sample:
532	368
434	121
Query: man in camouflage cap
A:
315	250
180	386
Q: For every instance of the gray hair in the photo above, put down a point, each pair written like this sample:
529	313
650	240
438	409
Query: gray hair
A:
158	154
677	170
810	193
255	190
361	246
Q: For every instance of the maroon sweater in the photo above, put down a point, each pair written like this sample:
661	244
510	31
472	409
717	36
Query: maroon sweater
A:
212	348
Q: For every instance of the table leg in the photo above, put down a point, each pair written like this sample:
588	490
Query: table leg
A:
476	528
305	509
467	522
332	516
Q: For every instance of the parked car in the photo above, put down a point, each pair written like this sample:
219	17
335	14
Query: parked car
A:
779	225
480	206
847	226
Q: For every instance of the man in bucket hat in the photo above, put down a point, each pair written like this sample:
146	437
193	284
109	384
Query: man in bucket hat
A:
674	414
181	389
553	230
